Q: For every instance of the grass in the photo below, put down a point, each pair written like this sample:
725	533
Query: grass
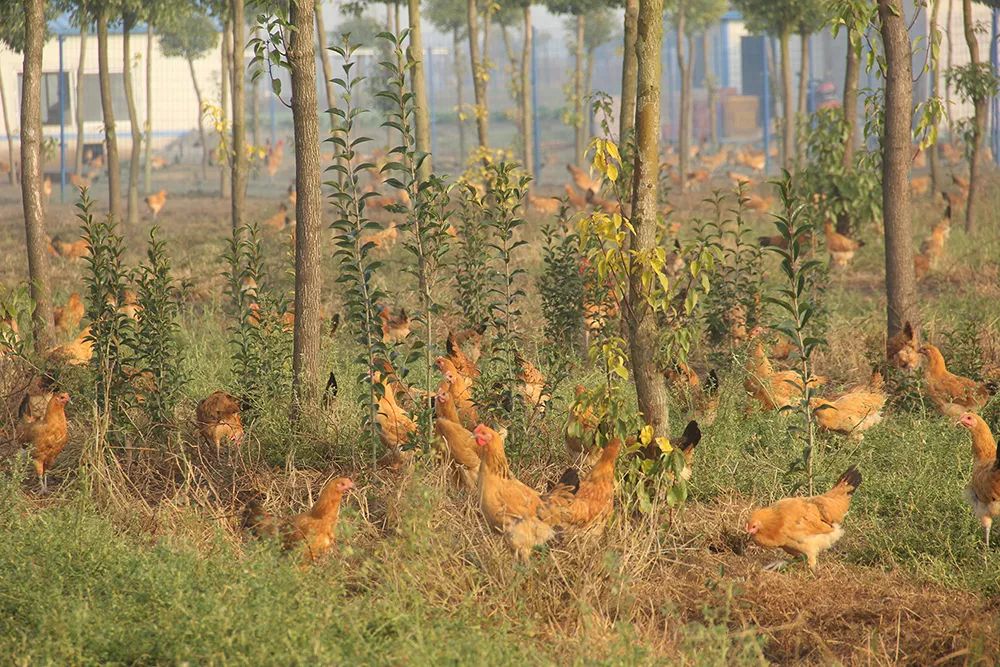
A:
146	565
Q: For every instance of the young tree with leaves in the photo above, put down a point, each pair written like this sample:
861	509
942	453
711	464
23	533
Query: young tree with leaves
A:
104	9
627	114
130	16
191	35
239	158
418	83
31	41
448	16
479	57
900	283
651	391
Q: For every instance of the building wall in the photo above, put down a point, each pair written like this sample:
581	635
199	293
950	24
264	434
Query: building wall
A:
175	108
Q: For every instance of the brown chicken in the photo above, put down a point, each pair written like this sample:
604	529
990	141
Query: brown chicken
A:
46	436
460	388
509	506
532	385
575	199
383	239
840	247
67	318
156	202
605	205
902	350
460	441
773	389
586	506
544	205
805	526
462	362
952	394
313	531
583	180
275	154
471	341
279	220
218	419
759	203
853	413
920	185
394	425
395	326
76	353
70	249
983	492
581	425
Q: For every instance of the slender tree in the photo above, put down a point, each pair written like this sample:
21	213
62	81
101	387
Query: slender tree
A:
31	173
527	103
418	82
896	146
6	128
308	205
626	118
147	125
130	16
980	101
110	136
78	111
651	391
577	10
225	15
240	156
449	17
935	66
191	35
480	72
324	60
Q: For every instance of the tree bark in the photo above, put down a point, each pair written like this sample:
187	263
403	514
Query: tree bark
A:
478	78
651	391
972	201
324	59
418	80
227	59
240	157
683	132
803	106
110	138
6	129
31	174
308	205
932	152
626	118
788	114
78	111
460	92
527	108
147	184
135	153
712	88
850	102
896	143
579	139
201	122
947	86
517	88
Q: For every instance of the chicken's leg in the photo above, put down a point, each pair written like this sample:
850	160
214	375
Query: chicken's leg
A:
988	525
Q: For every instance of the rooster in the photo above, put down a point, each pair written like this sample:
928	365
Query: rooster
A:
983	491
46	436
156	202
584	506
840	247
583	180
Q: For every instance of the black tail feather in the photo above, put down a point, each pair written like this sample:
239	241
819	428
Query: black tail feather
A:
852	477
570	479
690	437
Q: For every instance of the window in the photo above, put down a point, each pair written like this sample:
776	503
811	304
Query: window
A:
91	102
50	96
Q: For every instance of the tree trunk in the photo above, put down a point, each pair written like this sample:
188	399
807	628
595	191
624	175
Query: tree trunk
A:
201	123
110	138
78	111
979	130
650	389
579	139
527	109
947	87
932	152
147	185
460	92
418	80
803	106
850	102
324	59
626	118
712	88
240	157
31	174
478	77
135	153
683	136
255	111
6	129
788	115
227	59
896	143
588	81
308	205
516	88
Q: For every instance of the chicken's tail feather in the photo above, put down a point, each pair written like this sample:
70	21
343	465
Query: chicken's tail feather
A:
691	436
570	479
849	481
256	521
993	386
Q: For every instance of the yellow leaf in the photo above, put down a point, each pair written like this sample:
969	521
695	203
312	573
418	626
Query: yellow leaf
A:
646	434
664	445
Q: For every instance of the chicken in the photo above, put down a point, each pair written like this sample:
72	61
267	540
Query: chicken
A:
46	436
952	394
575	199
460	441
79	182
275	154
314	531
471	341
76	353
532	385
902	350
921	265
586	508
394	426
774	389
583	180
67	318
920	185
805	526
460	388
737	178
840	247
685	442
853	413
581	425
156	202
383	239
279	220
157	162
983	492
544	205
218	419
779	241
759	203
395	327
509	506
605	205
463	364
47	188
70	249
